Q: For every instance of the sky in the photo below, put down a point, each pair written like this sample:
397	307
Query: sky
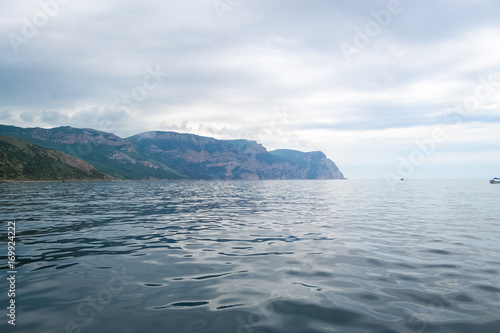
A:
386	89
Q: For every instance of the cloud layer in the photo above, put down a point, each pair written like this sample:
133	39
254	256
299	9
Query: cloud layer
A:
274	72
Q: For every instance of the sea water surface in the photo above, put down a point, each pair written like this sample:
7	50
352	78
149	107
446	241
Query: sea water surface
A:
261	256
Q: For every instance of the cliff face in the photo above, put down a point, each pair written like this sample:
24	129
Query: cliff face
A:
107	152
200	157
170	155
20	160
311	165
207	158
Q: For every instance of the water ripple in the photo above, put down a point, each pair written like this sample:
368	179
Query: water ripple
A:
291	256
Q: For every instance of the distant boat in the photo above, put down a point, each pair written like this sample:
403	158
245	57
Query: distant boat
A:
495	181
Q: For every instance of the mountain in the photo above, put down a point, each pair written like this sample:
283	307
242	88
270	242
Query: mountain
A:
20	160
311	165
201	157
107	152
171	155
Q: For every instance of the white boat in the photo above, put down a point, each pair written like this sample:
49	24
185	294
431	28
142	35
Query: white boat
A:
495	181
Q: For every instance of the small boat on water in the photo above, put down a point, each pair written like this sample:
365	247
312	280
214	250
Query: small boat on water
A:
495	181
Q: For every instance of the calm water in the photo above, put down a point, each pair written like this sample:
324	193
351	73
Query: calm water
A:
269	256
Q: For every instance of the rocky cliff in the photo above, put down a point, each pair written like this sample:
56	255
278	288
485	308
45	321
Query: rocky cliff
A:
171	155
311	165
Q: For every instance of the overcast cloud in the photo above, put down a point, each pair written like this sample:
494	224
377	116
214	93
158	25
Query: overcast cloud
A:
289	74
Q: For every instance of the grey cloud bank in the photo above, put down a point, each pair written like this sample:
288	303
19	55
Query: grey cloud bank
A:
233	65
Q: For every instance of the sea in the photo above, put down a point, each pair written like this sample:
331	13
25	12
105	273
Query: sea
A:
251	256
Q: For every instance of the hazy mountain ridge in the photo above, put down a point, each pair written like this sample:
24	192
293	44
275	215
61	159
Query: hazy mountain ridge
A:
171	155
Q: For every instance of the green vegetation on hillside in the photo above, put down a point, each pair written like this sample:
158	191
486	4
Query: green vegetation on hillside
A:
171	155
20	160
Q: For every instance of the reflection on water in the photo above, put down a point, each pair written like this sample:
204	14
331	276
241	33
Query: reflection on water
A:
268	256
